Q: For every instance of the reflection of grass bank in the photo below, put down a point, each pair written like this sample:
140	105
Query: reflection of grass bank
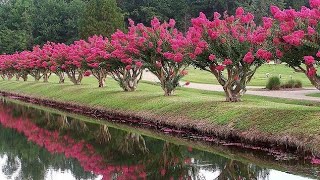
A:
259	79
256	118
246	157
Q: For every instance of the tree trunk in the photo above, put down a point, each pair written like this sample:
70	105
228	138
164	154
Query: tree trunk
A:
232	95
100	75
129	85
168	92
75	79
102	81
17	77
10	76
315	80
37	76
128	80
61	77
25	77
45	77
168	82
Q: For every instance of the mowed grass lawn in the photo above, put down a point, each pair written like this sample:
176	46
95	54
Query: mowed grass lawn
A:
314	95
259	79
269	115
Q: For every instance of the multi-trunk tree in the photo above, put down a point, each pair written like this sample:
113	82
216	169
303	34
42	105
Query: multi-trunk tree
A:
297	39
232	48
164	51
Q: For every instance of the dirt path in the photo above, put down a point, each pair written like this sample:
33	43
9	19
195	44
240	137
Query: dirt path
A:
253	90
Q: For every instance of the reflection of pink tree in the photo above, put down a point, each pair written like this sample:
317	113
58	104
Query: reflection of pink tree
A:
132	140
103	134
80	150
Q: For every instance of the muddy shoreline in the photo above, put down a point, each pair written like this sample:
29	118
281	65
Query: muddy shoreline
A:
233	139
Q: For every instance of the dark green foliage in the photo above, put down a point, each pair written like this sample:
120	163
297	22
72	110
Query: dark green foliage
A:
260	8
15	26
11	41
180	10
56	20
273	83
25	23
101	17
296	4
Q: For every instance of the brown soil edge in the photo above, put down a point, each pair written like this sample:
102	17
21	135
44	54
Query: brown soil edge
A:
185	128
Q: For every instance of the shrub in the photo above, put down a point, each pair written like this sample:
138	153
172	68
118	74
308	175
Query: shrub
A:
298	84
292	84
273	83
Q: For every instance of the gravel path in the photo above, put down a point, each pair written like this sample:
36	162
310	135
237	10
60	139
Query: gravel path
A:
253	90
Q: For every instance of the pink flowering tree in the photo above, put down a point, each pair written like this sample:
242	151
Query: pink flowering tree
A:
72	62
57	65
297	39
22	65
2	67
124	65
7	63
232	48
164	51
96	56
39	64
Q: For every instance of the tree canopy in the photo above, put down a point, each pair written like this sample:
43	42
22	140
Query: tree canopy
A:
25	23
101	17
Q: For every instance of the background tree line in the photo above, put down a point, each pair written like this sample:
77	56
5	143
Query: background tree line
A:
25	23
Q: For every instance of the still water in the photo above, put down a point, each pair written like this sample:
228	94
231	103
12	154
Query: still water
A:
38	143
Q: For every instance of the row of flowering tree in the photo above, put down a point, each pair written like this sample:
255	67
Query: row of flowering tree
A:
297	37
230	47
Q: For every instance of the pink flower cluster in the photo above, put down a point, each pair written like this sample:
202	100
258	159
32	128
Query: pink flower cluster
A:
96	52
162	40
297	29
227	34
294	38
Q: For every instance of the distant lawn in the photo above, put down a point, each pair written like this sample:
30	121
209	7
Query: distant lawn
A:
260	79
314	95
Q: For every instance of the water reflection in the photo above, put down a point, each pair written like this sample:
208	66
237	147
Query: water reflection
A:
35	143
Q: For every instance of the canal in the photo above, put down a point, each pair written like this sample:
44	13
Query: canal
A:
41	143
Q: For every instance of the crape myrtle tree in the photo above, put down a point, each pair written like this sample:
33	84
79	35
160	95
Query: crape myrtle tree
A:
22	65
102	57
96	56
297	37
59	54
73	62
232	48
39	65
164	51
7	66
125	65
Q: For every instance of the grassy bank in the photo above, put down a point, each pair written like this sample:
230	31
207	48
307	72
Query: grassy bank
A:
259	79
287	120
